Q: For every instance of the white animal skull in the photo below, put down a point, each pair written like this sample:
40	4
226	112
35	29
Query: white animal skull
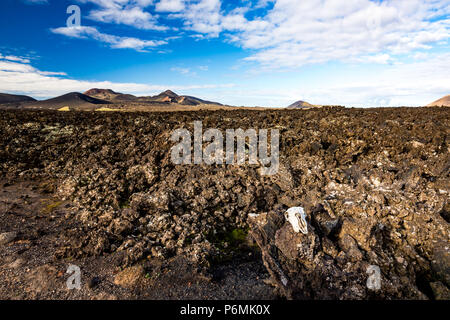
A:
296	217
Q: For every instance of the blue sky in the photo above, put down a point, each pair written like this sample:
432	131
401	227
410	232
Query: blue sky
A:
241	52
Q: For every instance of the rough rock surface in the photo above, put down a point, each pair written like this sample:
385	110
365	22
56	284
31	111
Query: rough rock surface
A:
374	184
7	237
130	276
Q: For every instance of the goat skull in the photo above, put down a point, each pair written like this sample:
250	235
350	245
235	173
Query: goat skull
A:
296	217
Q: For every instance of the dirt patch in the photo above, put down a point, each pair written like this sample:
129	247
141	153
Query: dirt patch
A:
31	269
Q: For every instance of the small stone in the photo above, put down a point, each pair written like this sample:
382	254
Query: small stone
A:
129	277
348	244
296	246
440	291
441	262
105	296
16	264
93	282
417	144
7	237
329	248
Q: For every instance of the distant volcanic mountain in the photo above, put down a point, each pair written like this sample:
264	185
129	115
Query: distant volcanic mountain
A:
72	100
97	99
109	95
443	102
169	97
12	98
166	97
188	100
300	105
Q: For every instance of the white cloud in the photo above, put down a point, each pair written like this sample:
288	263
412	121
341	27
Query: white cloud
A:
36	1
114	41
295	33
416	83
202	16
382	58
127	12
181	70
170	6
318	31
16	67
15	58
23	66
22	78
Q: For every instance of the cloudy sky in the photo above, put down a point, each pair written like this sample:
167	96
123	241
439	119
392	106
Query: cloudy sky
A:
360	53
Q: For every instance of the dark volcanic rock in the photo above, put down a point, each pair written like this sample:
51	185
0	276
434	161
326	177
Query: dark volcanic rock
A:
374	184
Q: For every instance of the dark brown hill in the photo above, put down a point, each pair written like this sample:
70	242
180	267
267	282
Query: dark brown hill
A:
13	98
109	95
73	100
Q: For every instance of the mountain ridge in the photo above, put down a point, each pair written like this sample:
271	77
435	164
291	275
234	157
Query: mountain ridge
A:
14	98
442	102
72	100
165	97
300	104
109	95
